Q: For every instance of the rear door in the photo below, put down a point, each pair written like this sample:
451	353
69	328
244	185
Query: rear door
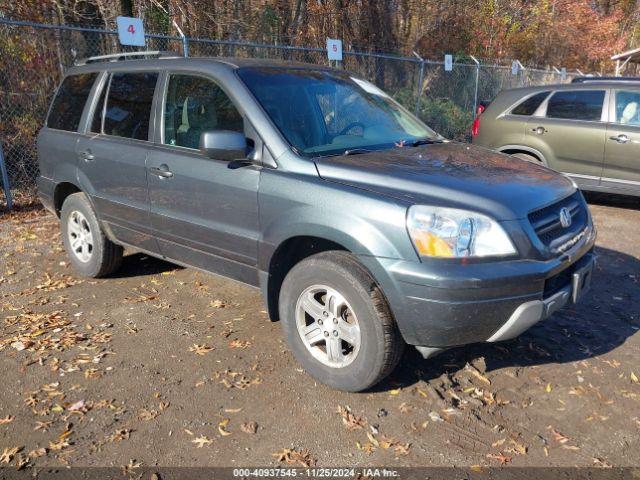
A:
113	153
622	152
57	141
572	132
204	211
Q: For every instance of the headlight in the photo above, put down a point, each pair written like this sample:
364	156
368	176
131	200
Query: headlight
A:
453	233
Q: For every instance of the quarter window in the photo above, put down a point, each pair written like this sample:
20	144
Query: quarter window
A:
576	105
128	110
530	105
68	105
195	105
628	108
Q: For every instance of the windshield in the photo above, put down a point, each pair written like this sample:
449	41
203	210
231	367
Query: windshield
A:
321	112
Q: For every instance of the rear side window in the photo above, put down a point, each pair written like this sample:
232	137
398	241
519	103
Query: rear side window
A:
530	105
128	109
68	105
576	105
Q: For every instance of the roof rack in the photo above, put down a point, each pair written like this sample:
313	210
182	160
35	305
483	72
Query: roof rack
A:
116	57
604	79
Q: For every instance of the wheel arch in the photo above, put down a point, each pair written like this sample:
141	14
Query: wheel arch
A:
61	192
511	149
286	255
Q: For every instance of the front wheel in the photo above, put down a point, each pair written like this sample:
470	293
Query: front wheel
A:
337	322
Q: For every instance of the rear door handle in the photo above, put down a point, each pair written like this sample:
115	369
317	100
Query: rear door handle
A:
87	156
622	138
162	171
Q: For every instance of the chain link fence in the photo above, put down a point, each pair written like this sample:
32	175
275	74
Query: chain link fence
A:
34	57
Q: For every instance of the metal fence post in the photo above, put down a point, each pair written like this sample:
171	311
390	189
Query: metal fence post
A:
475	96
185	46
420	80
5	181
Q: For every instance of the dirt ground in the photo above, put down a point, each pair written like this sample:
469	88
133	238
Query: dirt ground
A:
167	366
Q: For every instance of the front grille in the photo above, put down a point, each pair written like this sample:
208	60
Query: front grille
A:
548	227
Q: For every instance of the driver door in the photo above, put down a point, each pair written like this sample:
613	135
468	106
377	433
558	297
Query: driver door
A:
203	212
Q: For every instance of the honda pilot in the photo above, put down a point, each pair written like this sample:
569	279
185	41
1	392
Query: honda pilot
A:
364	229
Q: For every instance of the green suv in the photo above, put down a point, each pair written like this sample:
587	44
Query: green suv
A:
589	130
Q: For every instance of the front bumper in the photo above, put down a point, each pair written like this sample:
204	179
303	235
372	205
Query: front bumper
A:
442	305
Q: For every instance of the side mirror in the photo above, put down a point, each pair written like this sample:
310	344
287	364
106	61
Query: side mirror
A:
223	145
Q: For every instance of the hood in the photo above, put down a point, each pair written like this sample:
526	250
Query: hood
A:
452	175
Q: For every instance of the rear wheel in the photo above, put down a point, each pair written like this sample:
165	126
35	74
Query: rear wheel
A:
338	323
90	251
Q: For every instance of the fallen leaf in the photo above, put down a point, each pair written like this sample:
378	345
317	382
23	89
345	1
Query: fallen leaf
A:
8	454
7	419
351	421
548	388
38	452
221	427
200	349
249	427
202	441
79	405
504	459
634	378
293	456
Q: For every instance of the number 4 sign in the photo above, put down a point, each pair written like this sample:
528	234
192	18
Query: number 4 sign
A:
131	31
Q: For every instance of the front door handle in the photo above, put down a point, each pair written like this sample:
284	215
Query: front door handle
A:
539	130
622	138
87	156
162	171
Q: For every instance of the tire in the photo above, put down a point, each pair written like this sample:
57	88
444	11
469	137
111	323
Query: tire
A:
365	358
527	157
92	254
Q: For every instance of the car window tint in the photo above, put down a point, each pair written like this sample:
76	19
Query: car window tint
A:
628	107
530	105
128	110
96	122
68	105
576	105
194	105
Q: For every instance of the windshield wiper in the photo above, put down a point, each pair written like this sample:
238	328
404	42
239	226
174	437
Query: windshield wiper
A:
425	141
356	151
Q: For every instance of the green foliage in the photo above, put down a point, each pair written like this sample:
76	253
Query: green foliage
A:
441	113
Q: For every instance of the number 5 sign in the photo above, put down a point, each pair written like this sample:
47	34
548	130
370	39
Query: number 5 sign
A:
131	31
334	49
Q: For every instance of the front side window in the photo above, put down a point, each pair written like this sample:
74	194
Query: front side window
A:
195	105
67	107
322	112
530	105
128	108
628	107
576	105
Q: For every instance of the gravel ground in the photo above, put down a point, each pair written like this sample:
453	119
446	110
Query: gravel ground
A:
167	366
